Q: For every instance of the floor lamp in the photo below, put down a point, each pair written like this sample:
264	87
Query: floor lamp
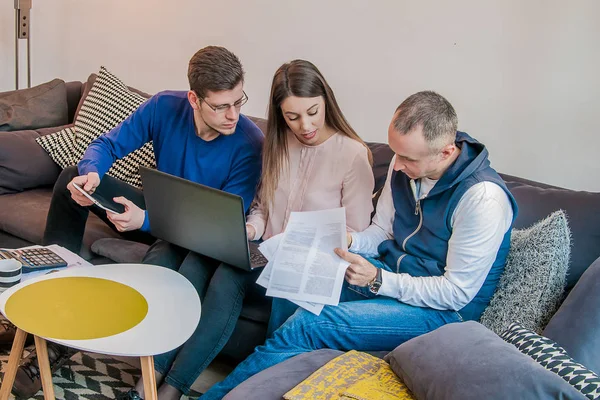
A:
22	23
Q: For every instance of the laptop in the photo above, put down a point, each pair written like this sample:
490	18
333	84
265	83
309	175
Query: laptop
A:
199	218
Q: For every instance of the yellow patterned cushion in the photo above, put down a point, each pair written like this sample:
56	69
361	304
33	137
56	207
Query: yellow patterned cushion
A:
353	375
384	385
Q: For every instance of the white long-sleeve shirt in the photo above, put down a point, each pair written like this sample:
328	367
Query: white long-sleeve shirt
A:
480	220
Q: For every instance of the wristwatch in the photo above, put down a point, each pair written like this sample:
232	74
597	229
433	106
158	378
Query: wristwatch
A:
375	284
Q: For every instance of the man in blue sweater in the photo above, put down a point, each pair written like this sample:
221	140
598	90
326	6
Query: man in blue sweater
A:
433	254
198	135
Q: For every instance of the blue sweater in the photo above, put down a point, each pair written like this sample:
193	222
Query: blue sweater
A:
423	228
231	163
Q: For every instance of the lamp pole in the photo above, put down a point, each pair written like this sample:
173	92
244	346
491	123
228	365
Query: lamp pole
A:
22	31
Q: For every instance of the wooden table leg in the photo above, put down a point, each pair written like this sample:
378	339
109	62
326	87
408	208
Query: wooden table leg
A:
44	365
149	378
13	363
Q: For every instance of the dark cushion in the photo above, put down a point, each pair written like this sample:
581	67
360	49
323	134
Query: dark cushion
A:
583	213
23	163
466	360
38	107
274	382
576	324
120	250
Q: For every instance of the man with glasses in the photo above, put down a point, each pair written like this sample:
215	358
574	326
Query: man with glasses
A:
198	135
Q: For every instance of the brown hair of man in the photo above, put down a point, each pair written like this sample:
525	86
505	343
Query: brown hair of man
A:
214	69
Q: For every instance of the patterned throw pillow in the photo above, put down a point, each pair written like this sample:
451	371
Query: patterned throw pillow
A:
532	285
554	358
59	146
107	104
353	375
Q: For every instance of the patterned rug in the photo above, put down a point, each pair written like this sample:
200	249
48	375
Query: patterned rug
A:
90	376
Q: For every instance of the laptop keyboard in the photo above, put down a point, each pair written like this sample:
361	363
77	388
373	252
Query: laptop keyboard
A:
257	258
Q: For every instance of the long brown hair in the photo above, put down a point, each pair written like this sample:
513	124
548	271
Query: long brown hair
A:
298	78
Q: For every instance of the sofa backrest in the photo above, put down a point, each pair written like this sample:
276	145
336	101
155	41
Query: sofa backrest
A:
537	201
74	92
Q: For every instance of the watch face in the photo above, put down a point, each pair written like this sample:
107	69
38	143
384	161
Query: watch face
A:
376	284
374	287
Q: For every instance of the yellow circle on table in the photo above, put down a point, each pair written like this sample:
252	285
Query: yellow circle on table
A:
76	308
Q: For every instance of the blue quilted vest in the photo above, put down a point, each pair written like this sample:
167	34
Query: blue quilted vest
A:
422	228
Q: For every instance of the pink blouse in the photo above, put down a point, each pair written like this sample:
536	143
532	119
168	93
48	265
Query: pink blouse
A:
335	173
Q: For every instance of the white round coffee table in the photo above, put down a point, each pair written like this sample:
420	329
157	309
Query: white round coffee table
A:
150	309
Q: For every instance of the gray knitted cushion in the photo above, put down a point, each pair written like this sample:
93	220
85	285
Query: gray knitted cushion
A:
532	286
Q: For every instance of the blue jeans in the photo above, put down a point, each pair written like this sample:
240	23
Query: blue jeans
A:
361	321
221	289
282	309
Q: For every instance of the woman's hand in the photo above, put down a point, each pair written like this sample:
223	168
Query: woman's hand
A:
250	232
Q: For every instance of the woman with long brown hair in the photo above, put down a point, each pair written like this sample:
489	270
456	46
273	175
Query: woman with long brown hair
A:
312	160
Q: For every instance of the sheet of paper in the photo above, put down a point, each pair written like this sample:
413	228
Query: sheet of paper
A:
269	248
305	267
263	280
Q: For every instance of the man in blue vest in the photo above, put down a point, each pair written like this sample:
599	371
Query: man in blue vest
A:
433	254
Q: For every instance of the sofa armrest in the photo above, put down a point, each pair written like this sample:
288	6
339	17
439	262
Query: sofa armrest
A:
576	324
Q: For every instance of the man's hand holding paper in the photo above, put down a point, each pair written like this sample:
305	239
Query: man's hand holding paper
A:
360	272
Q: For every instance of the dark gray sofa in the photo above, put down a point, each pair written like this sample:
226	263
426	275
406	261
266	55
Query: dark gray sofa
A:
23	215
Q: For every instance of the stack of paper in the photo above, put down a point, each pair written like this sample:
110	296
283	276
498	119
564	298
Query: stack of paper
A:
303	266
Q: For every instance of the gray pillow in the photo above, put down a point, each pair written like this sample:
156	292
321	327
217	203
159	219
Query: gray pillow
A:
576	324
38	107
120	250
532	285
465	360
23	163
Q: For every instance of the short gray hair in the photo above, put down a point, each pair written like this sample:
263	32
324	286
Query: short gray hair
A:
430	111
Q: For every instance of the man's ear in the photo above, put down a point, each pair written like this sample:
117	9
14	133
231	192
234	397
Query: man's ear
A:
448	150
193	99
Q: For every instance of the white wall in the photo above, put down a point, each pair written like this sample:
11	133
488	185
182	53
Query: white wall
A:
522	75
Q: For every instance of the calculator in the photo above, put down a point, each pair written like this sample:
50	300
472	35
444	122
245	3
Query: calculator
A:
35	259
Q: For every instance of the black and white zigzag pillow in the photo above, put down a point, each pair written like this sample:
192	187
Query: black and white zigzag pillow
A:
107	104
59	146
554	358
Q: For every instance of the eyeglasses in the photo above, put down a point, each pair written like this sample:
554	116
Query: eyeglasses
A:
222	108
